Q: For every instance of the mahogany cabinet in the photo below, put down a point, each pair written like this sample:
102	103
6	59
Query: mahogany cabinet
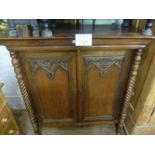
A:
63	84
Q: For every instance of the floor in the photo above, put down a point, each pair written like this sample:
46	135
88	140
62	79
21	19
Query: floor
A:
23	120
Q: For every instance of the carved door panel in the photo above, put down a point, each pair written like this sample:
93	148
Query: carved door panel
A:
51	77
102	80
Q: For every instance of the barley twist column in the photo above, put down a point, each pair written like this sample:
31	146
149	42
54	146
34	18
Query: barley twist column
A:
130	87
19	76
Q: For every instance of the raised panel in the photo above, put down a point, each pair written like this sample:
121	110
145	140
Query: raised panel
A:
52	84
102	80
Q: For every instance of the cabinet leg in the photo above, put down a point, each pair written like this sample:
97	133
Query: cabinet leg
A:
24	92
130	87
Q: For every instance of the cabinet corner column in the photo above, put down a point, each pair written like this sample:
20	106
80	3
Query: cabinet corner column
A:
24	92
130	87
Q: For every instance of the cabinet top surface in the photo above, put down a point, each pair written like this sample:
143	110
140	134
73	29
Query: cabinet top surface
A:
100	31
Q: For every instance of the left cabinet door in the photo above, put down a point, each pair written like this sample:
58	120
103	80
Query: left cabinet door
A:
51	81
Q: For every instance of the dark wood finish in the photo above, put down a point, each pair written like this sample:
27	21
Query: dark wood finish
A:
100	88
51	77
130	87
67	85
140	118
20	77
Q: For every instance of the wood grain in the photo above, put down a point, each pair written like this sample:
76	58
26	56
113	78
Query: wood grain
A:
19	76
54	98
101	96
79	96
130	88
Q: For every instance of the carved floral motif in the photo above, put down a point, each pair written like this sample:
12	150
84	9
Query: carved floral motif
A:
50	65
103	63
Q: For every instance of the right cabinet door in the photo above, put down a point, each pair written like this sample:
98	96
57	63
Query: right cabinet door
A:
102	78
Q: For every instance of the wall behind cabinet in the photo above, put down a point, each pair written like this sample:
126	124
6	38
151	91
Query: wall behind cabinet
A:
7	76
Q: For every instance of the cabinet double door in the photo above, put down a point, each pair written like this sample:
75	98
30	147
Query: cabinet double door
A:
70	87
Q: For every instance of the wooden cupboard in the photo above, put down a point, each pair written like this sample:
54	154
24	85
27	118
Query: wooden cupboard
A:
63	84
76	86
102	79
52	81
